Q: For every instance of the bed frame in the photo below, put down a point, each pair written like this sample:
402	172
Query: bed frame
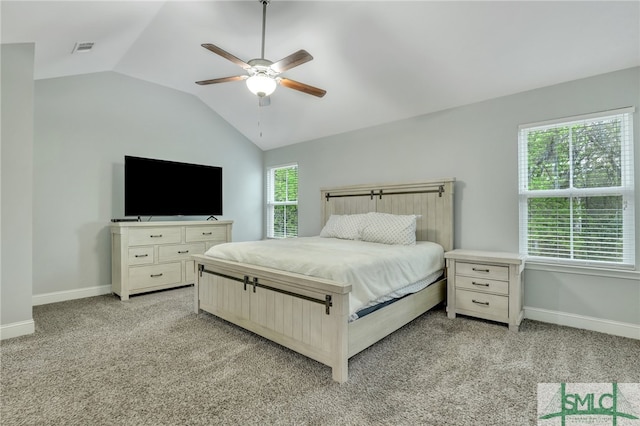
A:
311	315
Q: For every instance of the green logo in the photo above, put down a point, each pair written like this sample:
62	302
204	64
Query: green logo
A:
588	404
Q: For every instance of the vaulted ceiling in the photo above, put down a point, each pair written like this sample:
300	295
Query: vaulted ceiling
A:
379	61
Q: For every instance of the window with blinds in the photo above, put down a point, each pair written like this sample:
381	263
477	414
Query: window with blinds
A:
576	190
282	201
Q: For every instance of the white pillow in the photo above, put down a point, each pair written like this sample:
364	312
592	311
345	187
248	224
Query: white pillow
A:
388	228
346	227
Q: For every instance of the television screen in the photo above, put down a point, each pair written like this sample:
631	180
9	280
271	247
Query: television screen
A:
167	188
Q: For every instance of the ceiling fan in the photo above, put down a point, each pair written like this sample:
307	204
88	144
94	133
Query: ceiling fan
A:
263	75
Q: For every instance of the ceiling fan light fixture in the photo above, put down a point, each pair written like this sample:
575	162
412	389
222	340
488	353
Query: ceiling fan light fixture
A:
261	84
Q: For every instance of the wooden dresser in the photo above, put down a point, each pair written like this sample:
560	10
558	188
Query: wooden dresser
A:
149	256
486	285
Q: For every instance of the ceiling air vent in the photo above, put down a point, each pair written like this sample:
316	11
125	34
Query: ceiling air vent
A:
83	47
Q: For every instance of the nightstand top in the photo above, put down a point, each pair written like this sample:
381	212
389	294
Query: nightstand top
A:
485	256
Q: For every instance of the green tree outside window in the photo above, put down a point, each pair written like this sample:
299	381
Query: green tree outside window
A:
576	190
282	201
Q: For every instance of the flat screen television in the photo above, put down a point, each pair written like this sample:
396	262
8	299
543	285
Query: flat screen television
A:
168	188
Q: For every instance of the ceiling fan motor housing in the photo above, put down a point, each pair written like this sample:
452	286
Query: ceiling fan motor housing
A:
260	65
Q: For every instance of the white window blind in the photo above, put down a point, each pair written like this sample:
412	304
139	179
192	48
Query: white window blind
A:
576	194
282	201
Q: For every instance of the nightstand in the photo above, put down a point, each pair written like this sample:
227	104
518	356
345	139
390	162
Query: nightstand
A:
485	285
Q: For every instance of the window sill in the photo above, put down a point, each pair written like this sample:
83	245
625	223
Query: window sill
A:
583	270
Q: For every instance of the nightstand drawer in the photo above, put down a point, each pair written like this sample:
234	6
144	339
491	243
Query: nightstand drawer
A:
482	271
483	303
482	284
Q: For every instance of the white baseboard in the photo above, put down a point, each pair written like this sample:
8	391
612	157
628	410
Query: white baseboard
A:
62	296
17	329
586	323
22	328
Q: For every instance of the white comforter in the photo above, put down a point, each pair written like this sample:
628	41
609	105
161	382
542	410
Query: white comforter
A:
372	269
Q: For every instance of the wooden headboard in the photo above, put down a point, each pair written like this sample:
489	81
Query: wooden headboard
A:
432	199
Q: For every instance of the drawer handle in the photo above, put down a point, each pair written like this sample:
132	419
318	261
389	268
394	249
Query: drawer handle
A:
480	303
183	251
156	236
207	233
156	275
480	270
142	255
480	284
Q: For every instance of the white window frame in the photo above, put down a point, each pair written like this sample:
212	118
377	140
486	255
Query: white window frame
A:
626	189
271	203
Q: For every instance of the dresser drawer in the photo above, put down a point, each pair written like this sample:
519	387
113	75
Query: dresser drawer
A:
156	275
141	255
483	303
179	251
482	271
482	284
206	233
146	236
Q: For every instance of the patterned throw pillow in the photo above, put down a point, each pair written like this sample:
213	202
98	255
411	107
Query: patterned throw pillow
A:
388	228
346	227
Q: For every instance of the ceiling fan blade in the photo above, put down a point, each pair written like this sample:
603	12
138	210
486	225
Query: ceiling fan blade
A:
293	60
264	101
218	51
222	80
295	85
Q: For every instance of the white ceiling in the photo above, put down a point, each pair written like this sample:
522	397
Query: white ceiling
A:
380	61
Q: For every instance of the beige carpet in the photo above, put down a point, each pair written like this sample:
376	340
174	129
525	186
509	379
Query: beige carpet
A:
152	361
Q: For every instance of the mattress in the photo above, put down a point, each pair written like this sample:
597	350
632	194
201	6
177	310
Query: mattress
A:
387	299
374	270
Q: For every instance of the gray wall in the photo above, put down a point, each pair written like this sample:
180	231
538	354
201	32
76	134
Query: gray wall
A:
477	144
17	184
84	126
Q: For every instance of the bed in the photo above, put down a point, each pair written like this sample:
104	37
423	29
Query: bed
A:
314	313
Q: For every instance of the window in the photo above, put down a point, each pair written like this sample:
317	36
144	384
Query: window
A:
576	190
282	201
